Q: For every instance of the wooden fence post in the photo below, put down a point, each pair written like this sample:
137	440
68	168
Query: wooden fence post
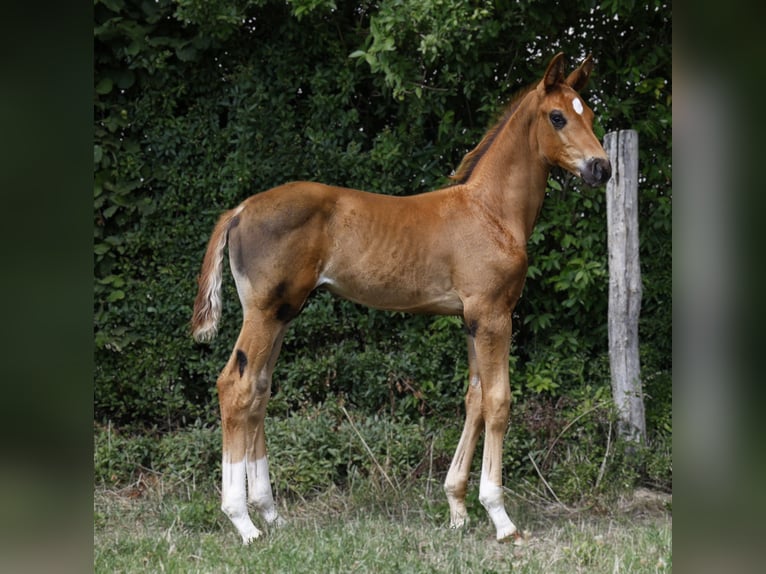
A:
624	283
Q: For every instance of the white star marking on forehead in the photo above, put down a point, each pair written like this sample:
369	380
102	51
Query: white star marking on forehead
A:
577	105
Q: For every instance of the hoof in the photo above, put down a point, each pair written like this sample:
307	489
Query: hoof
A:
278	522
459	523
510	534
249	537
517	538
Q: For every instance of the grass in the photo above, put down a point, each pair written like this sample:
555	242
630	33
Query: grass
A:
152	526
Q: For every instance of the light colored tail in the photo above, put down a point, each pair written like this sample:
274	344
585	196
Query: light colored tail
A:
207	305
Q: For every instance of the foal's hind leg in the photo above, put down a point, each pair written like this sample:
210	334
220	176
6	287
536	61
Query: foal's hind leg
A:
244	388
258	482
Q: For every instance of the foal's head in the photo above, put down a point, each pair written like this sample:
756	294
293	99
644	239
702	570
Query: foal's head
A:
564	123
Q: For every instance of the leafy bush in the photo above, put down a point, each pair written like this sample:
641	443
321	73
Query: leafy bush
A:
191	456
318	448
564	442
308	452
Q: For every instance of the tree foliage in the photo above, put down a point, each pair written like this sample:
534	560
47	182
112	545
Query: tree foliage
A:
200	103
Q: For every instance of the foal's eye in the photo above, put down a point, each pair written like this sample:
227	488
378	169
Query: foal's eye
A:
557	119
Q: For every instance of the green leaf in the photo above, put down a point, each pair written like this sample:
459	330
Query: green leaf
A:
116	296
187	54
133	48
113	5
554	184
104	86
114	280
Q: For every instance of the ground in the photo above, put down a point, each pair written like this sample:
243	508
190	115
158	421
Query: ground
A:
374	529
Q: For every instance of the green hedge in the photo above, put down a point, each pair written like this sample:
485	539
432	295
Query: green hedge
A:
199	104
325	445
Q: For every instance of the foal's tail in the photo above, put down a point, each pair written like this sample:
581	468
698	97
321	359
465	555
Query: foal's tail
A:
207	305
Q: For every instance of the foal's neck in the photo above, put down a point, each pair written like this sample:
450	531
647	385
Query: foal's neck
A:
511	177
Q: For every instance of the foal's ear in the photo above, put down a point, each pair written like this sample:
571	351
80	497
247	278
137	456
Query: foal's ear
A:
579	78
554	75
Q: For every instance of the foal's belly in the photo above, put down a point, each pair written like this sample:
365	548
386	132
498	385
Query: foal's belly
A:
396	294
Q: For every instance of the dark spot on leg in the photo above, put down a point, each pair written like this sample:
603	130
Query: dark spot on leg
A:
279	291
285	312
471	327
241	361
286	301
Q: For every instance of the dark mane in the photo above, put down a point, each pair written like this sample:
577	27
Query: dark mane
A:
465	169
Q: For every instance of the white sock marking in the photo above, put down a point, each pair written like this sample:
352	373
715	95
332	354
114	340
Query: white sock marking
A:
234	501
259	488
491	497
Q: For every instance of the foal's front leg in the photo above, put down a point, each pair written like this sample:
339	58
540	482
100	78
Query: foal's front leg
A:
456	482
492	341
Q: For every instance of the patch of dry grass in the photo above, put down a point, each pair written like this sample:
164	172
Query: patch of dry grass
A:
373	529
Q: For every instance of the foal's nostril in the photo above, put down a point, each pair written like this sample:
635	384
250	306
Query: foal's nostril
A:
603	170
596	171
600	171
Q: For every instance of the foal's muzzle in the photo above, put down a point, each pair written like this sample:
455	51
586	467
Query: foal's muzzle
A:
597	171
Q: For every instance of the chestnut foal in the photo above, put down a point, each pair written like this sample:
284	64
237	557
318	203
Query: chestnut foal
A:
460	250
